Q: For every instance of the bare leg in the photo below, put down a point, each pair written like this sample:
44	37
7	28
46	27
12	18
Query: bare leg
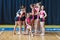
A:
32	24
24	25
15	27
36	22
42	28
29	30
20	26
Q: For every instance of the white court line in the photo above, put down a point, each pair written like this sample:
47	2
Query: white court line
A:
58	36
1	32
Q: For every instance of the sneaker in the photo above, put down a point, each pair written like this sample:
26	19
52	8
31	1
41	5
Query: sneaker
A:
18	33
32	35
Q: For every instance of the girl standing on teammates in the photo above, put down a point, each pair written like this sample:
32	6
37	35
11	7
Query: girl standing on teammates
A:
17	20
28	24
43	15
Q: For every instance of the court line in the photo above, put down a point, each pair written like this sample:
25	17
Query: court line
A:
57	36
47	29
1	32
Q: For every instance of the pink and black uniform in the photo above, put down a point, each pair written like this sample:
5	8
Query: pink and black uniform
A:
42	14
28	21
32	17
23	17
35	11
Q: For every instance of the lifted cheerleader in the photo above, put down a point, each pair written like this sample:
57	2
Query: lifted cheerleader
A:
36	18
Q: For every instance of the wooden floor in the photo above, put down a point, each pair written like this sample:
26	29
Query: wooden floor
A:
9	36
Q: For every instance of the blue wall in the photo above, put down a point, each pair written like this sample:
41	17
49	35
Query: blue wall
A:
8	9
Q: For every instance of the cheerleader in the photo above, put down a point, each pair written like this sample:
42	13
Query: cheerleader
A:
32	15
17	20
23	16
28	24
43	15
36	18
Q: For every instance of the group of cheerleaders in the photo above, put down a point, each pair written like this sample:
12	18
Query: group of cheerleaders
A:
31	20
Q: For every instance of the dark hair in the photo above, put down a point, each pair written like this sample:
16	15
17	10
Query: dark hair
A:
43	7
32	5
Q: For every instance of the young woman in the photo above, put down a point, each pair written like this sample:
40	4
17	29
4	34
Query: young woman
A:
17	20
36	18
23	16
43	15
22	19
32	15
28	23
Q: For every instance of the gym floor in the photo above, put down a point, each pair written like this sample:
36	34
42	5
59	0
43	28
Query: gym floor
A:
8	35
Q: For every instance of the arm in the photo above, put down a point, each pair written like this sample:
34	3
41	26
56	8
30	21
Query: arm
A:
32	11
18	12
45	14
26	21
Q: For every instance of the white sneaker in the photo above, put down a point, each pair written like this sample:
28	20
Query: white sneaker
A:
42	34
32	35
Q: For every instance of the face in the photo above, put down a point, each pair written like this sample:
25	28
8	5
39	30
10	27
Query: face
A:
23	9
42	7
28	15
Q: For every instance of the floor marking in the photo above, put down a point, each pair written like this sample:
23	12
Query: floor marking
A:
1	32
57	36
